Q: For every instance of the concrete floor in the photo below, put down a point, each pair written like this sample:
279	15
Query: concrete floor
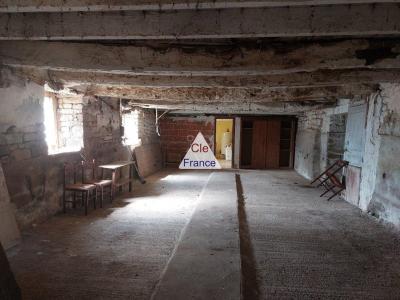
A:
117	252
179	237
306	247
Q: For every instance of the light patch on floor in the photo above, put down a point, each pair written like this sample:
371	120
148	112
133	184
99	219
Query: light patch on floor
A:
117	252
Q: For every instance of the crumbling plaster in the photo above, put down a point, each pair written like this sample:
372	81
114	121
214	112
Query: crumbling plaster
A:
385	200
379	191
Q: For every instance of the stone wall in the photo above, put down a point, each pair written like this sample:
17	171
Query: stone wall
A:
178	132
34	178
102	130
69	122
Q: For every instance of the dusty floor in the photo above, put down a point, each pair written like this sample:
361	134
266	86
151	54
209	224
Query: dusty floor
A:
117	252
288	243
306	247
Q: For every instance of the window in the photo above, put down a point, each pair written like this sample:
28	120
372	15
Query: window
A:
63	123
130	122
50	124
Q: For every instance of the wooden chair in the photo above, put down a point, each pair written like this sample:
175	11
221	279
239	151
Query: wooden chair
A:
329	180
87	191
102	185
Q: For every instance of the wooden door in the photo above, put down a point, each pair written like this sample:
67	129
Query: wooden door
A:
259	144
266	144
273	135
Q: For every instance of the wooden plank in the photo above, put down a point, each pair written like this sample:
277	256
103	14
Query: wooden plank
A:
251	22
116	165
273	131
259	140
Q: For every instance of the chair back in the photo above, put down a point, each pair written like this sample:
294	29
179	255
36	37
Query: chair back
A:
89	170
72	171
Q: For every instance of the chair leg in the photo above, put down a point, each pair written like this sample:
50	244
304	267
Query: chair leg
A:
94	198
86	202
74	200
95	194
335	194
111	193
330	188
64	204
101	197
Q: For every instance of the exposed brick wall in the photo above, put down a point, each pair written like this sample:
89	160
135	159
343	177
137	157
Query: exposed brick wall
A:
178	132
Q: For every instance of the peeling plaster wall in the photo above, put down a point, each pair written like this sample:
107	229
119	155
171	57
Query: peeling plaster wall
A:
34	178
379	172
371	151
385	200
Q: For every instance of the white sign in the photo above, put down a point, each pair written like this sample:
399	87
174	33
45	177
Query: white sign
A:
199	156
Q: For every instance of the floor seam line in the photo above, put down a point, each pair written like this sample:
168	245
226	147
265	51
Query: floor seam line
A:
183	231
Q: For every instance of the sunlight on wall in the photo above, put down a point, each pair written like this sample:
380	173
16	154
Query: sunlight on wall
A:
63	126
50	124
130	122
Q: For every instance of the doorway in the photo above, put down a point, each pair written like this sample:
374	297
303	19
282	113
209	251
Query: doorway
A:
224	141
267	142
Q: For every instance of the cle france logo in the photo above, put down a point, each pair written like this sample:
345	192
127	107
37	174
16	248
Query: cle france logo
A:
199	156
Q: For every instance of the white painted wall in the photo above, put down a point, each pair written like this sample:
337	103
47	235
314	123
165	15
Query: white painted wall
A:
385	200
371	151
236	158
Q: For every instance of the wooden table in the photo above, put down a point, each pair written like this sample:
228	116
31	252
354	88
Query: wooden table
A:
114	167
